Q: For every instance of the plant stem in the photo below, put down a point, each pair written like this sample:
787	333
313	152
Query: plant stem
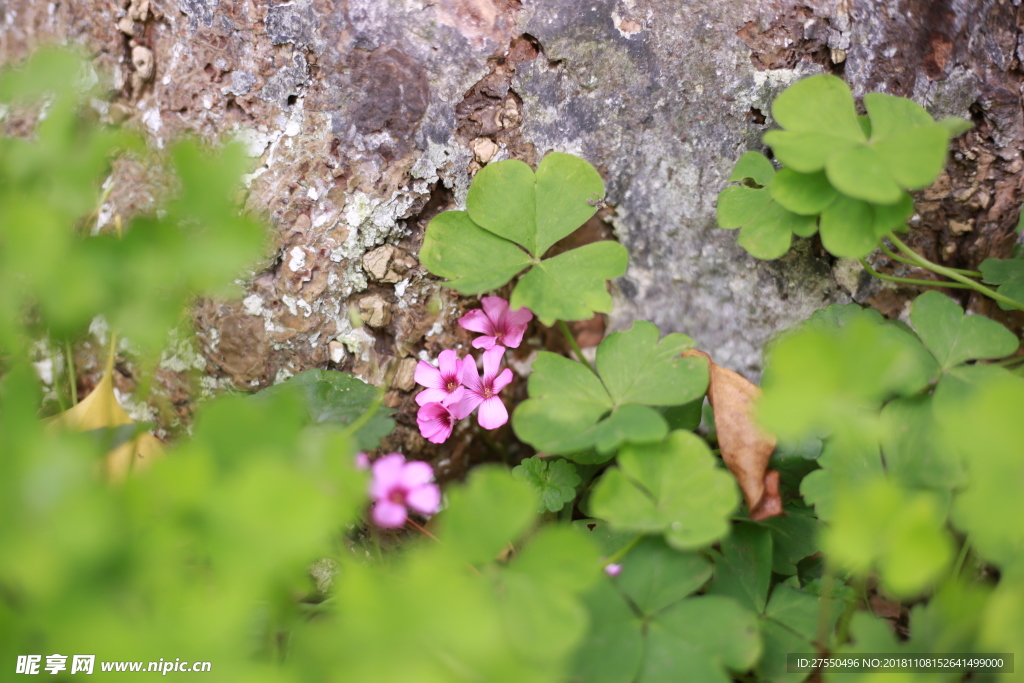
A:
367	415
910	280
72	374
843	627
575	345
942	270
825	608
423	531
961	558
892	255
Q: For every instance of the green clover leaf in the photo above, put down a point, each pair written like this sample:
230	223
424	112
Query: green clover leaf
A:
917	454
794	537
539	592
509	205
902	532
766	225
649	630
980	408
743	570
673	488
789	618
827	377
554	480
954	338
1008	274
571	409
905	151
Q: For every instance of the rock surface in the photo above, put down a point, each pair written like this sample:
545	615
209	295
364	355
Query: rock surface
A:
364	118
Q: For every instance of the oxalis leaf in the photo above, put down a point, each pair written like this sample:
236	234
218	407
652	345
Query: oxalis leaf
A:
571	409
337	398
906	149
673	488
509	205
953	338
554	480
902	532
766	225
838	370
649	630
1008	274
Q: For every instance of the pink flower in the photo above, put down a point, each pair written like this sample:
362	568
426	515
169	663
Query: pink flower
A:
362	461
484	393
443	384
398	484
436	421
612	569
498	325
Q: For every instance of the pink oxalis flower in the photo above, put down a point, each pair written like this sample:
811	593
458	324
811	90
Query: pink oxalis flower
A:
484	392
436	421
499	325
443	383
398	485
613	569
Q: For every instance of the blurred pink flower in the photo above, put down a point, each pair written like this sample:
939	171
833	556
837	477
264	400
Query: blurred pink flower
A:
398	484
484	393
362	461
498	325
436	422
443	383
612	569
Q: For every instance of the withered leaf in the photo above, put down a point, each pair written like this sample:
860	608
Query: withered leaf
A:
100	409
746	448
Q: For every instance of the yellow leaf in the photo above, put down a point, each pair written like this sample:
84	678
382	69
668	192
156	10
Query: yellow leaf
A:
99	410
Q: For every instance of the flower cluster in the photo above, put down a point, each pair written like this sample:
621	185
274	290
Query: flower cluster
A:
454	389
398	485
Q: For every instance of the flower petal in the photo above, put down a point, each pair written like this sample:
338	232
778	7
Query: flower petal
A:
501	381
492	361
520	316
425	499
471	376
455	396
416	474
467	405
492	413
477	321
435	422
449	364
484	342
495	307
388	514
428	376
387	472
431	396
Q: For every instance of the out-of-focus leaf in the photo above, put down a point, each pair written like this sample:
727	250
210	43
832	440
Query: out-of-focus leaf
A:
337	398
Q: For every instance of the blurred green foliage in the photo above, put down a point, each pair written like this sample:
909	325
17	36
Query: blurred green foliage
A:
54	272
246	545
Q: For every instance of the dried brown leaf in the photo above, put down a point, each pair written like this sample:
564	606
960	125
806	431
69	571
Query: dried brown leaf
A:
746	448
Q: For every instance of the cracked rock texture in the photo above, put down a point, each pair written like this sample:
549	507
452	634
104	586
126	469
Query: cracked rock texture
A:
365	118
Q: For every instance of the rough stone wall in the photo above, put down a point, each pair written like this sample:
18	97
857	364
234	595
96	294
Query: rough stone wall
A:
365	118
